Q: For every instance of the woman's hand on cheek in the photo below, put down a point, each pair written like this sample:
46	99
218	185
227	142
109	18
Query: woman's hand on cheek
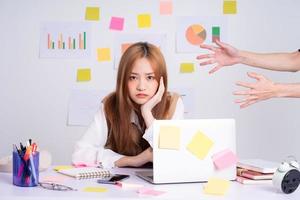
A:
149	105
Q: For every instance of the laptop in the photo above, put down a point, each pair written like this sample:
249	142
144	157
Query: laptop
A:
178	164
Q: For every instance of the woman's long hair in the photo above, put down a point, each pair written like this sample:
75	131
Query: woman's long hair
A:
123	136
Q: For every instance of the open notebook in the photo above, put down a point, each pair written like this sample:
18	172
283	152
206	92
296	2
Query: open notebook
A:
85	172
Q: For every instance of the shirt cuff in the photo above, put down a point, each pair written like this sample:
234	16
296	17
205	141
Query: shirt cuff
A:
148	135
107	158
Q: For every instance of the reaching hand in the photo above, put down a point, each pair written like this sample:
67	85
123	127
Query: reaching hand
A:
223	55
261	90
148	106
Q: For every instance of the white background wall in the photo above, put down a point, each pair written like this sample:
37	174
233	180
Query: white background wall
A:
34	93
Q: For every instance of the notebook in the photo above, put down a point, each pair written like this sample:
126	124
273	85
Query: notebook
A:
85	172
173	160
248	181
258	165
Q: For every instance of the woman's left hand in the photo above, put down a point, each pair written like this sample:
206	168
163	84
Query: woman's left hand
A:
263	89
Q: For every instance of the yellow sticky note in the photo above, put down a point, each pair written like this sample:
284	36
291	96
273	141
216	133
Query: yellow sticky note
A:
144	21
229	7
200	145
187	68
59	167
95	189
92	13
103	54
83	74
169	137
216	186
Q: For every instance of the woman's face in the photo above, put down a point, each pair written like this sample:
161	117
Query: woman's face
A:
142	84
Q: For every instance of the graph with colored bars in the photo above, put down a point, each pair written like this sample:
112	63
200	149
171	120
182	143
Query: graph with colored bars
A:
67	42
215	33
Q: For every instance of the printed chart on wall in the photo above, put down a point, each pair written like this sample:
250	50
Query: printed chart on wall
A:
65	40
193	31
123	41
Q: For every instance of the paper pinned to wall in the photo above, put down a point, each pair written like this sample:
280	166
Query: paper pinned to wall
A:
200	145
144	20
224	159
92	13
103	54
188	96
116	23
216	186
193	31
83	105
83	75
169	137
229	7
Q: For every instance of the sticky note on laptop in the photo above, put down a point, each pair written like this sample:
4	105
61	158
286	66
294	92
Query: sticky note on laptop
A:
224	159
216	186
169	137
200	145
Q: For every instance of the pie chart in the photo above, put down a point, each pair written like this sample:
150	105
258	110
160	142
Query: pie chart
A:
195	34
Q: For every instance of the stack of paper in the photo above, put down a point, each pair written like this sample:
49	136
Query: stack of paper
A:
256	171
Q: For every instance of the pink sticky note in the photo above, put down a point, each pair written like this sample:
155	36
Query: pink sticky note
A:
224	159
165	7
116	23
149	191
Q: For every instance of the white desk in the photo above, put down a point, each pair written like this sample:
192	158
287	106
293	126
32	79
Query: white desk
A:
173	191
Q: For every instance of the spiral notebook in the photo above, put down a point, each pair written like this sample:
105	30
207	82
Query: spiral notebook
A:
85	172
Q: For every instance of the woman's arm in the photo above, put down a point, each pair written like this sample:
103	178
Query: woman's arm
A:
264	89
227	55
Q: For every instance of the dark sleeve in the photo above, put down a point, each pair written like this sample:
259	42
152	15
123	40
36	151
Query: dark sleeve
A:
299	50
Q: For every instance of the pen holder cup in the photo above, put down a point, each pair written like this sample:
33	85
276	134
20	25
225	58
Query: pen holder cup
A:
26	171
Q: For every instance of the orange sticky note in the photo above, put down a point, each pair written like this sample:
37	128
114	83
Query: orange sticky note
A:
224	159
125	46
200	145
83	75
216	186
229	7
165	7
187	68
103	54
144	21
169	137
92	13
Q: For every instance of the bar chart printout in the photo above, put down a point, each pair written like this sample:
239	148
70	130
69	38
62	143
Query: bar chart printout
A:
65	40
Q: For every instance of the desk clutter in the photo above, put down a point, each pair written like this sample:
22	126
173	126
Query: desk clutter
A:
26	164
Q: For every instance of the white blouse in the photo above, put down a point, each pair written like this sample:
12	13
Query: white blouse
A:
90	149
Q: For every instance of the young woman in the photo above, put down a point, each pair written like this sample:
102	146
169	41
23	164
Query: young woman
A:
121	133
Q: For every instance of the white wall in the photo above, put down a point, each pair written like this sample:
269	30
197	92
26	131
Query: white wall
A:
35	92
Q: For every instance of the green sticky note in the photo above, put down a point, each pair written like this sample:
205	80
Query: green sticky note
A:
83	75
216	186
103	54
216	31
92	13
187	68
169	137
144	21
200	145
229	7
